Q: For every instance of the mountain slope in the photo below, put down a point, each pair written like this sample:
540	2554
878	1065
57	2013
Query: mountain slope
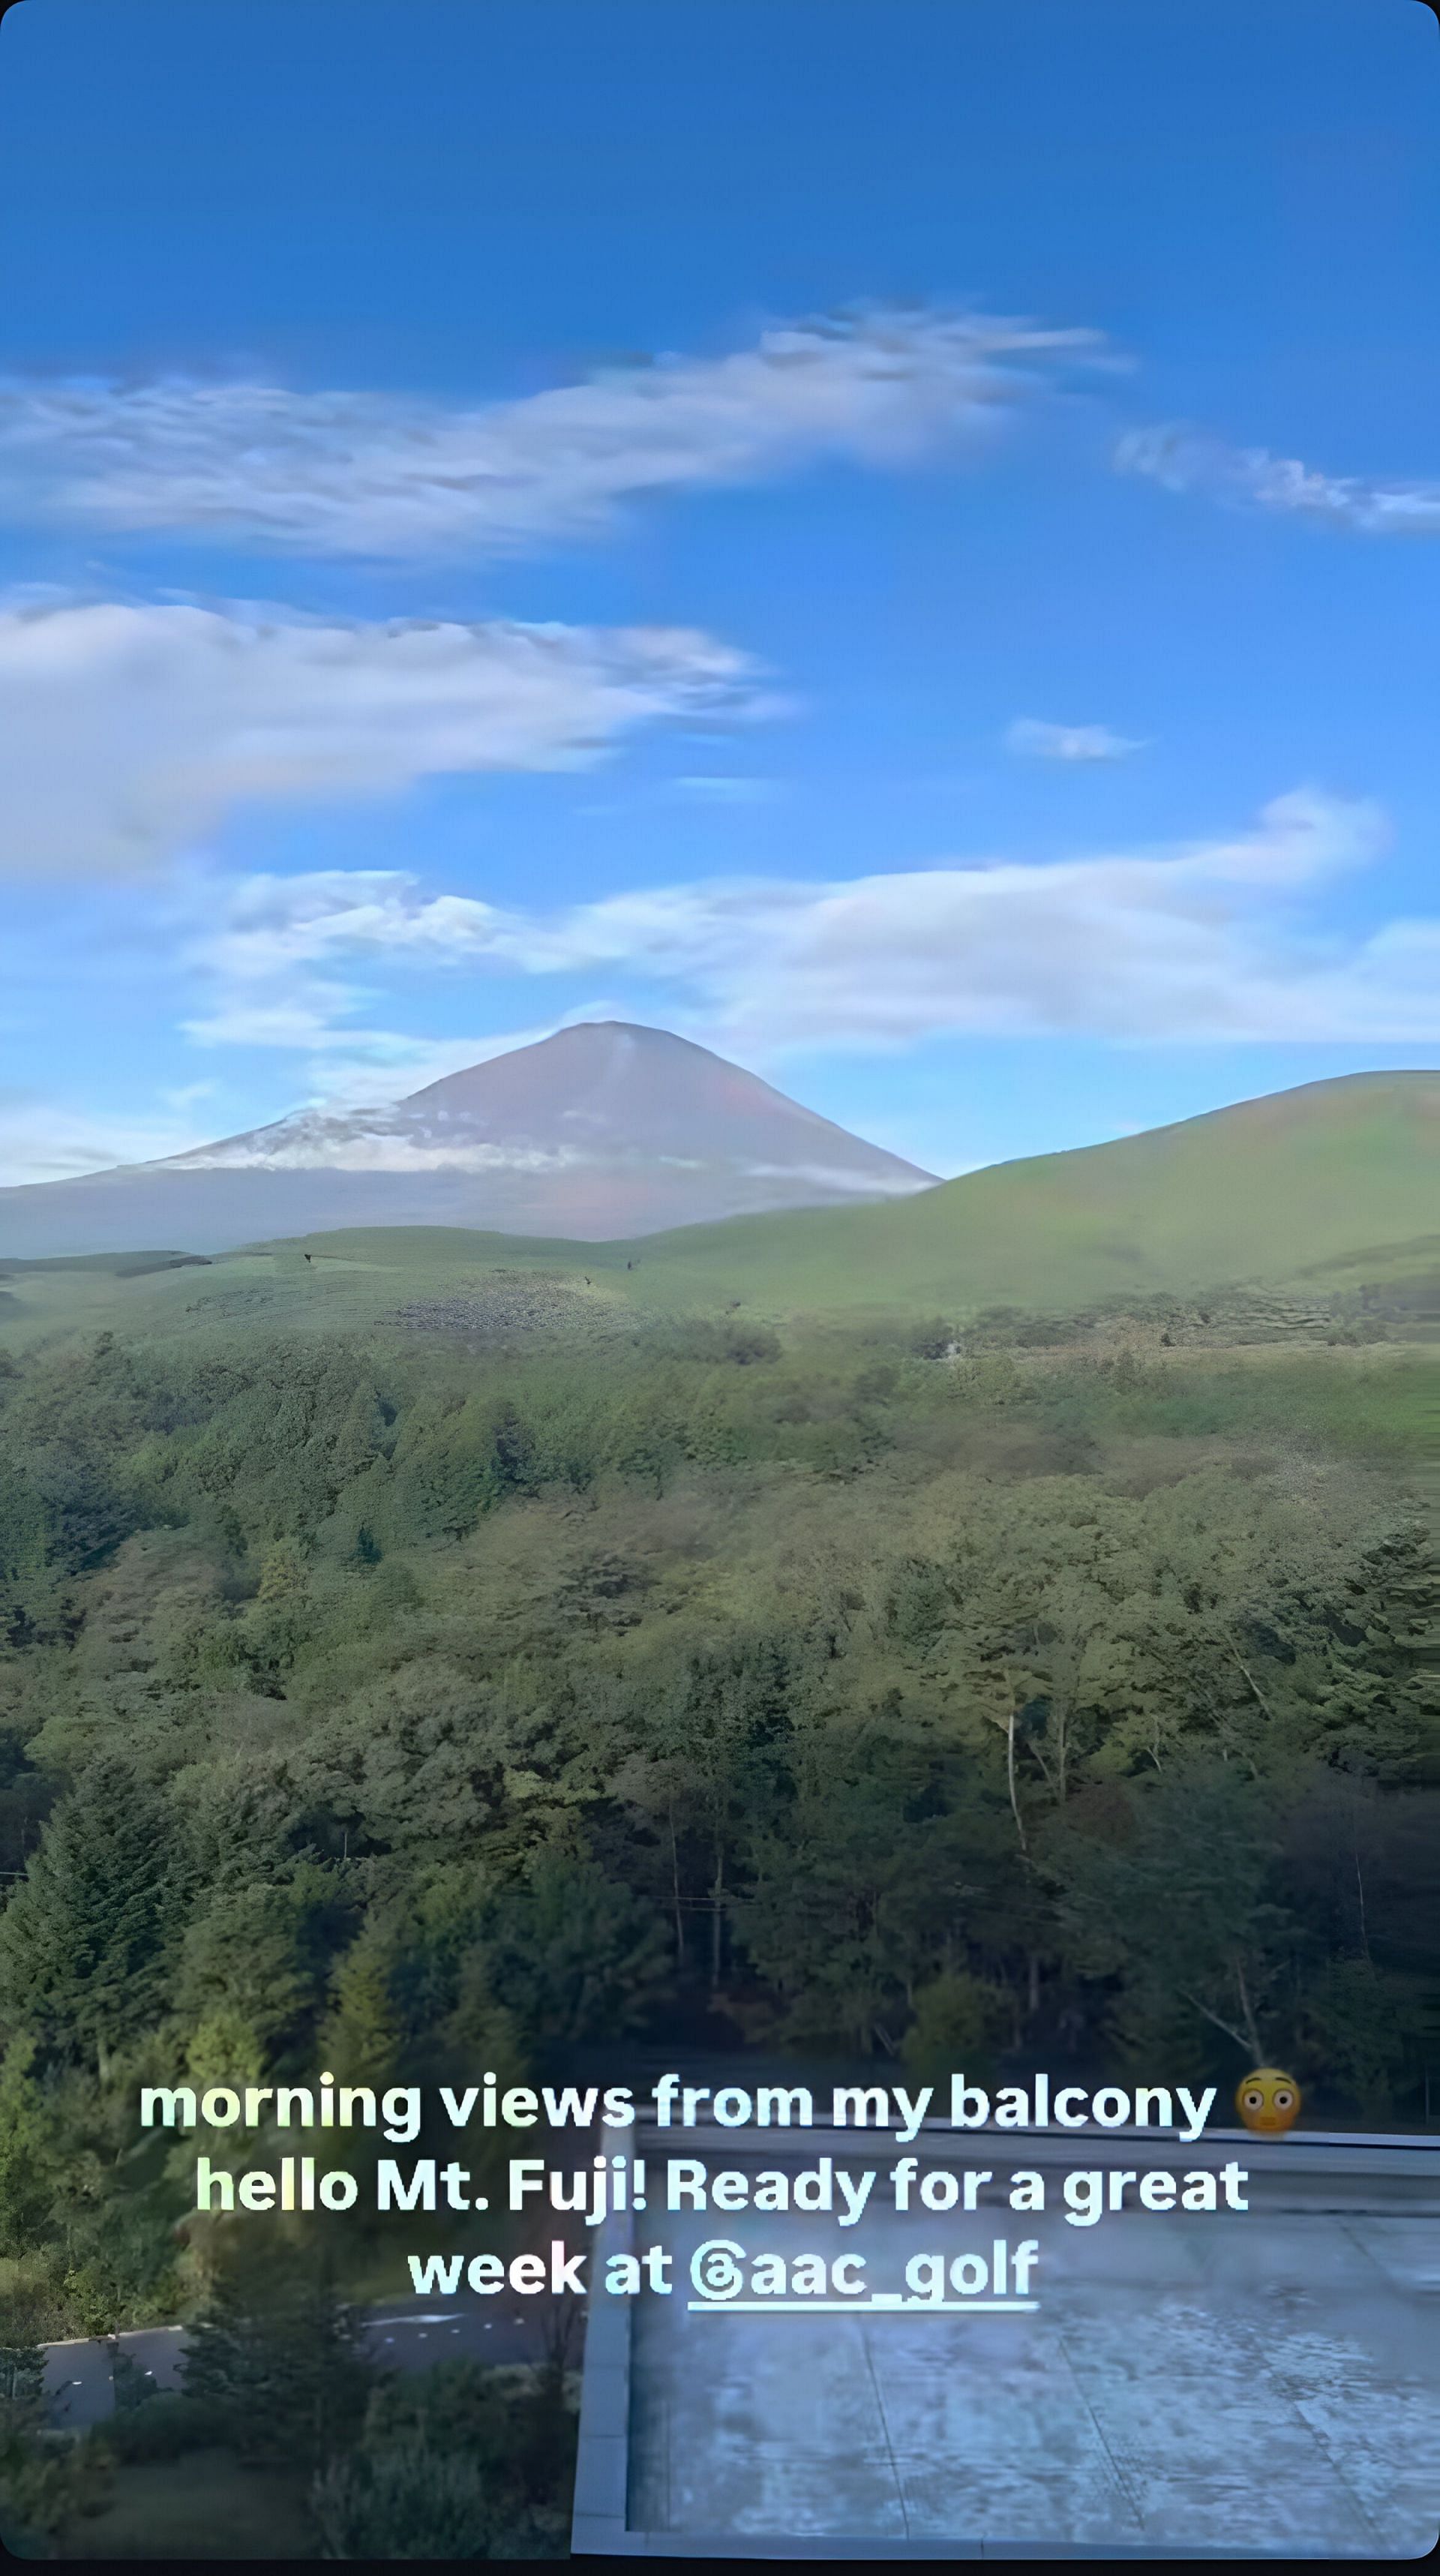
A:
1338	1177
1330	1174
601	1132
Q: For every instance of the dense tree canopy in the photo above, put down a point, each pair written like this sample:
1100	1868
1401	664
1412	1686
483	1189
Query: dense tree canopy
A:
386	1704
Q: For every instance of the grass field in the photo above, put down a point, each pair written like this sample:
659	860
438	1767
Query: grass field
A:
1328	1189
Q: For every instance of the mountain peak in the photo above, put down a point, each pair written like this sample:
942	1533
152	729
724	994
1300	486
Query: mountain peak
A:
606	1130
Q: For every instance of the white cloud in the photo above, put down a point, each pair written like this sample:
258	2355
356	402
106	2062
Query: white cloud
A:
1033	739
1203	942
46	1140
1186	460
345	473
1212	941
270	957
127	732
730	790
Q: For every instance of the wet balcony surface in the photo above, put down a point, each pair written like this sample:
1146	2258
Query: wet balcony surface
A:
1257	2382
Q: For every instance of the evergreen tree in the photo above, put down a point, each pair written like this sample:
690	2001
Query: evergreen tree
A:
573	1956
361	2035
29	2164
224	2049
85	1940
22	2372
251	1954
280	2359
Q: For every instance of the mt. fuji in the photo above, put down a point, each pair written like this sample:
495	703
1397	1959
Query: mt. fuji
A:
602	1132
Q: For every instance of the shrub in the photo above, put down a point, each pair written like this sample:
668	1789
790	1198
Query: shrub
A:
404	2502
164	2427
958	2019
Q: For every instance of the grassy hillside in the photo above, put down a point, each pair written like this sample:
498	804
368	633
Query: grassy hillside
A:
1337	1174
1336	1184
485	1286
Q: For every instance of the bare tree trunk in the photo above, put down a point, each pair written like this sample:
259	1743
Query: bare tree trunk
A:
1008	1722
675	1887
1364	1933
1251	2032
560	2324
1240	2037
1249	1676
717	1918
1010	1771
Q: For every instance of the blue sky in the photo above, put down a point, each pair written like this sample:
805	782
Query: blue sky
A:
894	538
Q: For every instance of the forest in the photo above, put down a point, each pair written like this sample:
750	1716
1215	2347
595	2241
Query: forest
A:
972	1693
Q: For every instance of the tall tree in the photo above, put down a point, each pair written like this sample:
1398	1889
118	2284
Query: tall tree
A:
85	1939
574	1957
29	2159
280	2358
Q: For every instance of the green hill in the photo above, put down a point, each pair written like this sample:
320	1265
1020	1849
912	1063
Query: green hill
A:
1323	1178
1335	1183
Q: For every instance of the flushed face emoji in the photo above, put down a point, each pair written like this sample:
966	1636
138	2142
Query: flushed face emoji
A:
1268	2101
